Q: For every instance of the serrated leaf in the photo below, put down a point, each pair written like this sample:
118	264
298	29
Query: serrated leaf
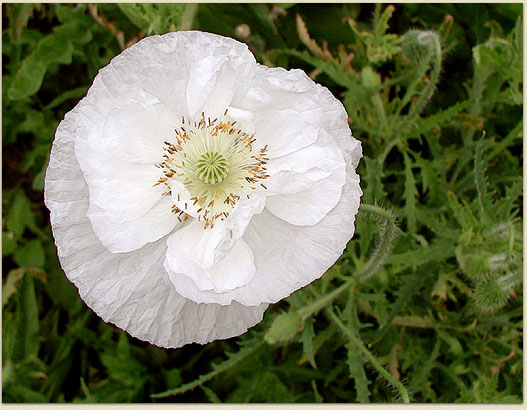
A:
410	194
333	71
233	359
303	34
439	118
462	212
480	179
136	14
307	342
373	177
451	341
417	257
356	372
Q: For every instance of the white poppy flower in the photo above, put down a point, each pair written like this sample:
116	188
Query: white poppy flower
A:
192	187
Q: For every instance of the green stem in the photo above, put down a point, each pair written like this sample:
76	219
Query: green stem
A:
516	133
379	107
374	209
370	267
369	356
321	303
420	72
429	88
387	149
242	354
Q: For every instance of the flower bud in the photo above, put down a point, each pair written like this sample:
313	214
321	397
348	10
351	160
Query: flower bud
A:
284	328
474	264
418	46
370	80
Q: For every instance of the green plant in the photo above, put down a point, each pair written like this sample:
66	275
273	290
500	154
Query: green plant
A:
425	304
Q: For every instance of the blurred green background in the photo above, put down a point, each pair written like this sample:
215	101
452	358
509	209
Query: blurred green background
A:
426	302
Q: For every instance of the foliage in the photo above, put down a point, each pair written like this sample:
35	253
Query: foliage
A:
426	302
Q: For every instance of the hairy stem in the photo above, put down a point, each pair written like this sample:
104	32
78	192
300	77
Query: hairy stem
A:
369	356
321	303
429	88
379	255
387	236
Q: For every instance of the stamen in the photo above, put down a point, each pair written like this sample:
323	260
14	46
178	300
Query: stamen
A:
215	163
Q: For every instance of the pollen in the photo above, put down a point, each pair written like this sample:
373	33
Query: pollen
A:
216	161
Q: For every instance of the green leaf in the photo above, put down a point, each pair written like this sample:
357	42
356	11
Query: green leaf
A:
11	284
29	77
439	118
356	371
373	176
25	394
61	291
68	95
213	397
19	15
307	341
480	178
9	243
56	47
31	255
27	343
20	215
453	343
334	72
136	14
233	359
410	194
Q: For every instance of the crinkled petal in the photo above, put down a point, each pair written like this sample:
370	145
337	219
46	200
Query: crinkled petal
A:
306	184
131	290
234	270
215	259
287	257
131	235
204	67
124	189
134	132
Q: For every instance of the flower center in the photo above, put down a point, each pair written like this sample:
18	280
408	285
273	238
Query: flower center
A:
212	167
215	162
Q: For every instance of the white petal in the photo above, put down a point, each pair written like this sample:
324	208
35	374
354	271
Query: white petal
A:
306	184
124	189
287	111
135	132
215	259
233	271
131	290
131	235
287	257
165	66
